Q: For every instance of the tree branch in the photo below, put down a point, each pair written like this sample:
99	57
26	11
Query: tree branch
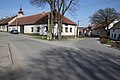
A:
67	6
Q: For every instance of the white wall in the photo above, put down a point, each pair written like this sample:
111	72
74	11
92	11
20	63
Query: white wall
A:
43	29
3	28
14	28
27	29
74	30
115	31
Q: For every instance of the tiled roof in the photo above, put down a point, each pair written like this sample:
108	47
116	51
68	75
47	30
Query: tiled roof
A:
38	19
29	20
68	21
116	26
97	26
6	20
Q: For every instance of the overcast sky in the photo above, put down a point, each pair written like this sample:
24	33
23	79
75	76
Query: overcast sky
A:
85	10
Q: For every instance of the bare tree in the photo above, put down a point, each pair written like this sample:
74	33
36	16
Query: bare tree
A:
62	6
58	9
40	3
104	17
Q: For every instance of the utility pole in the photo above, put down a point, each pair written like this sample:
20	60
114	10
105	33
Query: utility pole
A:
16	23
77	28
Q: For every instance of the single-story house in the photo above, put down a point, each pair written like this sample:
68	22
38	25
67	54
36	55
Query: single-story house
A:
98	30
85	31
81	29
38	24
5	22
115	31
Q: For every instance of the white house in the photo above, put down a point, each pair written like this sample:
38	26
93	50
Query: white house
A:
111	25
115	32
5	22
38	24
98	30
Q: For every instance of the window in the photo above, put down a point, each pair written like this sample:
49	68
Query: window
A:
70	29
114	35
38	29
119	37
31	29
66	29
113	30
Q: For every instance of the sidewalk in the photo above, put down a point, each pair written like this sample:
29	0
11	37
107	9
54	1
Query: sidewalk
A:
4	52
4	55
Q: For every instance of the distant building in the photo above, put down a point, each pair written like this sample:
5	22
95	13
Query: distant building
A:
4	23
85	31
115	31
97	30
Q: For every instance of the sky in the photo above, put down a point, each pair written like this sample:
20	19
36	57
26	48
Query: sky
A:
85	9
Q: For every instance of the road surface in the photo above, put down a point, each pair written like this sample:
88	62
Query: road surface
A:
80	59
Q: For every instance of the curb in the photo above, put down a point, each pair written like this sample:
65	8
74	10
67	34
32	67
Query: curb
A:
9	53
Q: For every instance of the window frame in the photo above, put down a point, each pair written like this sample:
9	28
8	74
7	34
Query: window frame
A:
38	29
71	30
114	35
32	29
66	29
113	30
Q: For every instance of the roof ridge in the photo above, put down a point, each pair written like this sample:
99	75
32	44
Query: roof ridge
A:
34	14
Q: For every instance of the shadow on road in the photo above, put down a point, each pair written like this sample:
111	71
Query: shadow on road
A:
71	64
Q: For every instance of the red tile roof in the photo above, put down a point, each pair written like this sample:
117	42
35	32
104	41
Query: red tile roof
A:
38	19
68	21
6	20
29	20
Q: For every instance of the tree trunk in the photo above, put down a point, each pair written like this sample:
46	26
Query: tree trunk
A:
50	25
60	18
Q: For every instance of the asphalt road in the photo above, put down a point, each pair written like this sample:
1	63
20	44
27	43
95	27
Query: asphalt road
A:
80	59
